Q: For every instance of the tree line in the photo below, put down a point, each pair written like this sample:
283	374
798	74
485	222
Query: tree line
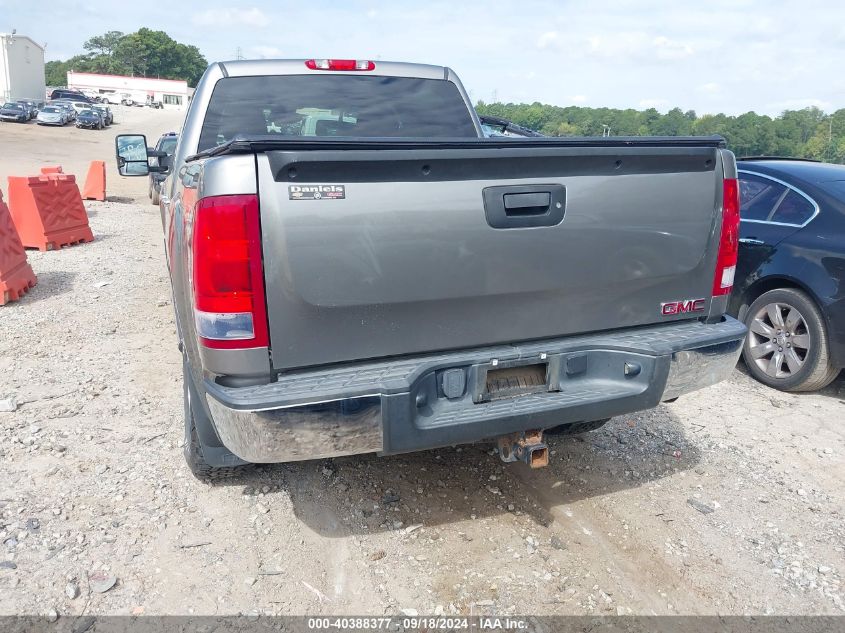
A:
144	53
807	133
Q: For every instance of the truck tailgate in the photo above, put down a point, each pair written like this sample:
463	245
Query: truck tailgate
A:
376	253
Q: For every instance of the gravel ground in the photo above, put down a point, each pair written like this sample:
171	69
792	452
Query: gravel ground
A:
728	501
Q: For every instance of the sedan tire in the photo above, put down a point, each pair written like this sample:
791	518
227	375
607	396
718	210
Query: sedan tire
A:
786	347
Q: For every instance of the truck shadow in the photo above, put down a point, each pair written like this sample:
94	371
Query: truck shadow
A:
369	494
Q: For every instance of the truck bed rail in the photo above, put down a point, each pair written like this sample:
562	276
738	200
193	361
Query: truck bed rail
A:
252	144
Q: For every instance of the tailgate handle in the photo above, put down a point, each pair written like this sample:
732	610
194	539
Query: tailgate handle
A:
524	206
527	203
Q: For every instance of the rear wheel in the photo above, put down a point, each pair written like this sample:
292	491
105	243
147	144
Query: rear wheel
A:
576	428
195	451
786	347
197	463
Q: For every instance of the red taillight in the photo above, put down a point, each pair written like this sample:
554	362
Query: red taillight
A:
340	64
228	276
729	241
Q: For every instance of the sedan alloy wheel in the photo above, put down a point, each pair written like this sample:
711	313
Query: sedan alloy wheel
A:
779	340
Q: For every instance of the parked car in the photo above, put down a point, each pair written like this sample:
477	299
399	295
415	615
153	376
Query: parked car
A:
90	119
790	278
110	98
397	282
30	107
164	150
52	115
67	93
14	112
67	107
79	106
105	111
93	95
137	99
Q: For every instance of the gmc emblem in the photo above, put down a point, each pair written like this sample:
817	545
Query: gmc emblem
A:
682	307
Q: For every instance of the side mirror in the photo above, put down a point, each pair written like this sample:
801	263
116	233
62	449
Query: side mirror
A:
132	156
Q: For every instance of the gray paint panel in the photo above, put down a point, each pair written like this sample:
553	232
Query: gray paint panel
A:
408	267
235	362
222	177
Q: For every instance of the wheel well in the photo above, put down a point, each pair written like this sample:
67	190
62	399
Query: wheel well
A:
764	285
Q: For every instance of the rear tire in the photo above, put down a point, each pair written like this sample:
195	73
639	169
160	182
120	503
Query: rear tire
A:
200	468
194	450
775	320
576	428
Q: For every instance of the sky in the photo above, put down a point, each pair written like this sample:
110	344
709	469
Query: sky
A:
709	56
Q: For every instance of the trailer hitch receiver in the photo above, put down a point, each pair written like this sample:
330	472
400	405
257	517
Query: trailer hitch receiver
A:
527	446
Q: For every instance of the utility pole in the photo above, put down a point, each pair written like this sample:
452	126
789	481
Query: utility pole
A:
238	53
829	137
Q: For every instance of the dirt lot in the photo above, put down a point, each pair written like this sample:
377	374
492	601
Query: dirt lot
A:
728	501
24	148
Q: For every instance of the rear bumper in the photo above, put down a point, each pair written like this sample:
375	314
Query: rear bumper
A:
400	405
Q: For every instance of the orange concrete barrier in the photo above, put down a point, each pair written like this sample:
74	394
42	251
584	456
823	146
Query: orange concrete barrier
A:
95	182
52	169
16	276
48	211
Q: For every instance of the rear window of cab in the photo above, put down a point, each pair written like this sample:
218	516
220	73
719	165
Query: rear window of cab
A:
336	106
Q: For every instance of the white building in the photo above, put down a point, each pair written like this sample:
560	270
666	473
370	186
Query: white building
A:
21	68
116	88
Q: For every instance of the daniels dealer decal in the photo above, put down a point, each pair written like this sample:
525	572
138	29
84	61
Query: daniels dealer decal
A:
317	192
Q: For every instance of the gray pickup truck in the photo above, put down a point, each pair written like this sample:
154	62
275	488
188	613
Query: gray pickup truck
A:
355	269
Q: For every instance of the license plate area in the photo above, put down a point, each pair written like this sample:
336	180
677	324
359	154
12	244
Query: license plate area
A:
514	381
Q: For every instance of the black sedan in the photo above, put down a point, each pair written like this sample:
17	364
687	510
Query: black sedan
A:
90	119
14	112
790	278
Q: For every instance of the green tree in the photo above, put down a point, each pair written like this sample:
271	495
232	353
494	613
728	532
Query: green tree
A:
807	133
55	73
104	44
145	53
673	123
